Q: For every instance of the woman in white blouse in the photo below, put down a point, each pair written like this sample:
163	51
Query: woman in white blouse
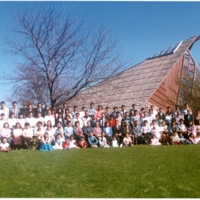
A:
17	134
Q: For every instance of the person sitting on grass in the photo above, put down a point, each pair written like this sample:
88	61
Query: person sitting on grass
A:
46	143
66	143
114	142
58	142
191	138
92	140
174	138
127	142
183	140
82	143
103	141
154	141
197	139
4	146
72	143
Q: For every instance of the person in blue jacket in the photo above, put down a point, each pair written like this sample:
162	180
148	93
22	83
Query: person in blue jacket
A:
92	140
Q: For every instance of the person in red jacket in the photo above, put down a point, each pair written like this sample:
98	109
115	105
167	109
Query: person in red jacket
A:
82	143
66	144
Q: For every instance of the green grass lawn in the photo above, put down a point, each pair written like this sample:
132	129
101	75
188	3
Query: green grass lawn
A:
139	171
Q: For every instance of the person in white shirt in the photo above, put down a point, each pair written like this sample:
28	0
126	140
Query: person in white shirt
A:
155	129
2	120
17	134
4	146
72	143
39	118
12	120
49	117
154	111
39	131
21	120
4	110
145	117
151	116
102	141
155	141
31	120
27	135
146	132
58	142
82	113
50	130
78	119
86	118
114	142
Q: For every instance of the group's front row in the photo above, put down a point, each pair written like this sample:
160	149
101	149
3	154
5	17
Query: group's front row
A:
49	138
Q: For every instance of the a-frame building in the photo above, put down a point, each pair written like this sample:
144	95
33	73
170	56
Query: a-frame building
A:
149	82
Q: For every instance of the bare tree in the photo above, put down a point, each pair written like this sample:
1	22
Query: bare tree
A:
60	56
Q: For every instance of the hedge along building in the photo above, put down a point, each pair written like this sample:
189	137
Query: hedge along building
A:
149	82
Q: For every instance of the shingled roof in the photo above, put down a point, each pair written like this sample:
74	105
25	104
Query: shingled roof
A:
134	85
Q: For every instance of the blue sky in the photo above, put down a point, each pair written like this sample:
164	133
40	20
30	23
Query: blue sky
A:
142	28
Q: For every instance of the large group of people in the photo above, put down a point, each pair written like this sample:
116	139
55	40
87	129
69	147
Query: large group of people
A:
48	129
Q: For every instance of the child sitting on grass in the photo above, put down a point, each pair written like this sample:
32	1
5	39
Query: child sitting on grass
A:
197	139
127	142
154	141
58	142
4	146
72	143
103	141
66	144
93	142
183	140
114	142
46	143
82	143
174	138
